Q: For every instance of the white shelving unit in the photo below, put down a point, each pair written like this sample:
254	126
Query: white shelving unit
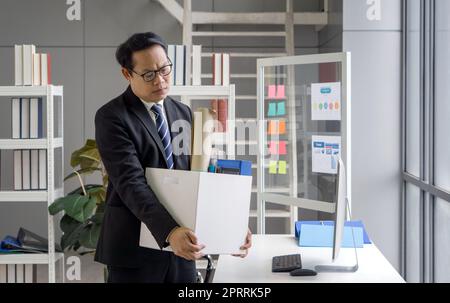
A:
49	92
208	92
191	20
202	92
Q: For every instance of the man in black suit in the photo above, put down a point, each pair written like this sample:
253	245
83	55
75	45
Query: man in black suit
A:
133	132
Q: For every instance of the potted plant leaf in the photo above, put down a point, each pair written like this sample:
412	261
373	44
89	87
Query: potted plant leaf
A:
83	207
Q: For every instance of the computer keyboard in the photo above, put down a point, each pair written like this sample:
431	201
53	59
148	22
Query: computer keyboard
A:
286	263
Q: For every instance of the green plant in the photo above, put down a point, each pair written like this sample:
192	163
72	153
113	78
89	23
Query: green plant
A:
84	207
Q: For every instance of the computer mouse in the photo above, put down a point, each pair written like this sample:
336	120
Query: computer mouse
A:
302	272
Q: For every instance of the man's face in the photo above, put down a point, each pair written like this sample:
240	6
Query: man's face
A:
150	59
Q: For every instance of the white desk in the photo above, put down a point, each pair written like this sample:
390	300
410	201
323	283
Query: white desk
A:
257	266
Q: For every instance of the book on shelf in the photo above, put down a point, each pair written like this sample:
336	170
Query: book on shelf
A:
172	58
181	56
30	166
187	66
225	69
196	64
28	54
31	68
42	169
17	170
25	242
46	69
18	64
30	169
16	118
221	69
201	148
26	169
180	66
217	69
36	69
222	114
36	127
219	108
27	118
34	169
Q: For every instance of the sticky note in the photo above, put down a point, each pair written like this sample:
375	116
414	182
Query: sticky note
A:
272	110
282	148
276	127
282	127
271	92
273	148
273	167
282	167
281	108
280	92
272	127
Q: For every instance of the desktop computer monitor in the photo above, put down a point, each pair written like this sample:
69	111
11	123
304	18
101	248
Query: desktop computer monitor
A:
341	206
287	262
339	222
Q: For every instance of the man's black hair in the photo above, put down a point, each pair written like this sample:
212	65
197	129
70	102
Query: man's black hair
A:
136	43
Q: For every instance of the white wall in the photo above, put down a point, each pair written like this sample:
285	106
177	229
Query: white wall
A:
376	120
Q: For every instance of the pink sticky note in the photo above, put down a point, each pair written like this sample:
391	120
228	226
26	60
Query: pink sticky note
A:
271	91
282	148
280	92
273	149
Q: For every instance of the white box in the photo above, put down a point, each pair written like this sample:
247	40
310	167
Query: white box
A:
215	206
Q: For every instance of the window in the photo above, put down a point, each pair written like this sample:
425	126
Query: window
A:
426	148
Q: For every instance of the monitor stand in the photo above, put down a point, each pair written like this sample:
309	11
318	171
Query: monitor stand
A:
341	268
336	268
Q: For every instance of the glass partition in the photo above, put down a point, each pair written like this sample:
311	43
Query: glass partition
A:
304	127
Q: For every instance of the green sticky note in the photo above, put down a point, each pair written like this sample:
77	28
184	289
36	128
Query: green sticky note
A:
273	167
272	110
281	108
282	167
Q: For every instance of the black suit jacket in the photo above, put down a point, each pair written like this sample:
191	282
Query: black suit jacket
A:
128	142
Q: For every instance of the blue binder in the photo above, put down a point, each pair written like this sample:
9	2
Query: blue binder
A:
357	223
322	236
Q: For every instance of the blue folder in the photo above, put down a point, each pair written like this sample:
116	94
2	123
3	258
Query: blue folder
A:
322	236
358	223
9	245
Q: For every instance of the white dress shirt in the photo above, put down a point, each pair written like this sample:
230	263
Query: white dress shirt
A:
148	106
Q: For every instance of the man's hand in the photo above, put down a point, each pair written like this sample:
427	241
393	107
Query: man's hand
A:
184	244
246	246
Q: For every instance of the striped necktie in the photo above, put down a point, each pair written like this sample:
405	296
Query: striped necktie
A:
164	134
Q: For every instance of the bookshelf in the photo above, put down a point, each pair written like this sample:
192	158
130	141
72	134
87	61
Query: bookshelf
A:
228	138
189	93
51	142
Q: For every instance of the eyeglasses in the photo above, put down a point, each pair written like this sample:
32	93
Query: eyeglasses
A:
151	75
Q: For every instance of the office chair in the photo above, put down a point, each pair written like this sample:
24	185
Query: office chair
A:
209	269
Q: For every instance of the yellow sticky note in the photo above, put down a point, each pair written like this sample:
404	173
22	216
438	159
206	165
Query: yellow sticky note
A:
273	167
282	167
